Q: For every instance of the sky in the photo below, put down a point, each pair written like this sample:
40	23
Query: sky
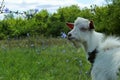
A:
50	5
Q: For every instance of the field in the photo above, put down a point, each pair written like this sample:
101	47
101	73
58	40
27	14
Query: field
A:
42	59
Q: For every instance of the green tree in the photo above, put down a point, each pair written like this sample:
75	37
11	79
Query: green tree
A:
41	20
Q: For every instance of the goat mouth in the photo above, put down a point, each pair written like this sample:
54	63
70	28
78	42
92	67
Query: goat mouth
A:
72	39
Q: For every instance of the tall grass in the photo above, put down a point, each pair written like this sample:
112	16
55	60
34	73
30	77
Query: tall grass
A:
42	59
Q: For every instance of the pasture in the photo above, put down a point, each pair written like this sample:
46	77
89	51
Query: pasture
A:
39	58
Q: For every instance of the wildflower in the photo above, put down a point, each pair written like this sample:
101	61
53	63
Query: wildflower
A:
32	45
80	63
7	10
28	35
38	51
63	51
63	35
67	60
36	10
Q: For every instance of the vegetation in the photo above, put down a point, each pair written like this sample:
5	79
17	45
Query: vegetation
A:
106	19
42	59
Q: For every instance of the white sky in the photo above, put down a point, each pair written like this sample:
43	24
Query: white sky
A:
50	5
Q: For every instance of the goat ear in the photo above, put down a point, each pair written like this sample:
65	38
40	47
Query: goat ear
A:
91	25
70	25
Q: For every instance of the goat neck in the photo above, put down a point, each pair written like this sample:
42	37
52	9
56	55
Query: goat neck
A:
93	41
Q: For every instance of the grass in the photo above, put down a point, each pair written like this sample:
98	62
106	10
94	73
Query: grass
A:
42	59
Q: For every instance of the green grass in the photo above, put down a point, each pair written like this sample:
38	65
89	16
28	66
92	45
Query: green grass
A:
46	59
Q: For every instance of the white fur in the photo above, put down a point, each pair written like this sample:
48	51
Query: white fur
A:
107	61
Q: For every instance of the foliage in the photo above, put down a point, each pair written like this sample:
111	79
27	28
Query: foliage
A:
106	19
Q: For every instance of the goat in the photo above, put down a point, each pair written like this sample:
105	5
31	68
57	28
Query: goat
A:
101	51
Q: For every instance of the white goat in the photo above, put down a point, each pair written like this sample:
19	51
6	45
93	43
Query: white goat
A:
102	52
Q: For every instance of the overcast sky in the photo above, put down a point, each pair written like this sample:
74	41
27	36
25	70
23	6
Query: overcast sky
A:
50	5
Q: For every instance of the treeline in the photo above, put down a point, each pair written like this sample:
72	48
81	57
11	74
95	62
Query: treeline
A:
106	19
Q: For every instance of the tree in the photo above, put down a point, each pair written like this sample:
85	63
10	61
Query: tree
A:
114	17
9	16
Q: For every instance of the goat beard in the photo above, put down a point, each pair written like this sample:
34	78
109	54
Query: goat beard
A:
77	44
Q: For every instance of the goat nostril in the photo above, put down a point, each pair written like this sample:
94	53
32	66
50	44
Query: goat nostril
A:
69	35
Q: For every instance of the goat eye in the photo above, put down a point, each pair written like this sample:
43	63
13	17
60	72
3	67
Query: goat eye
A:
83	29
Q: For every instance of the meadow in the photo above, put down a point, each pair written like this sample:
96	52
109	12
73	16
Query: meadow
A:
39	58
